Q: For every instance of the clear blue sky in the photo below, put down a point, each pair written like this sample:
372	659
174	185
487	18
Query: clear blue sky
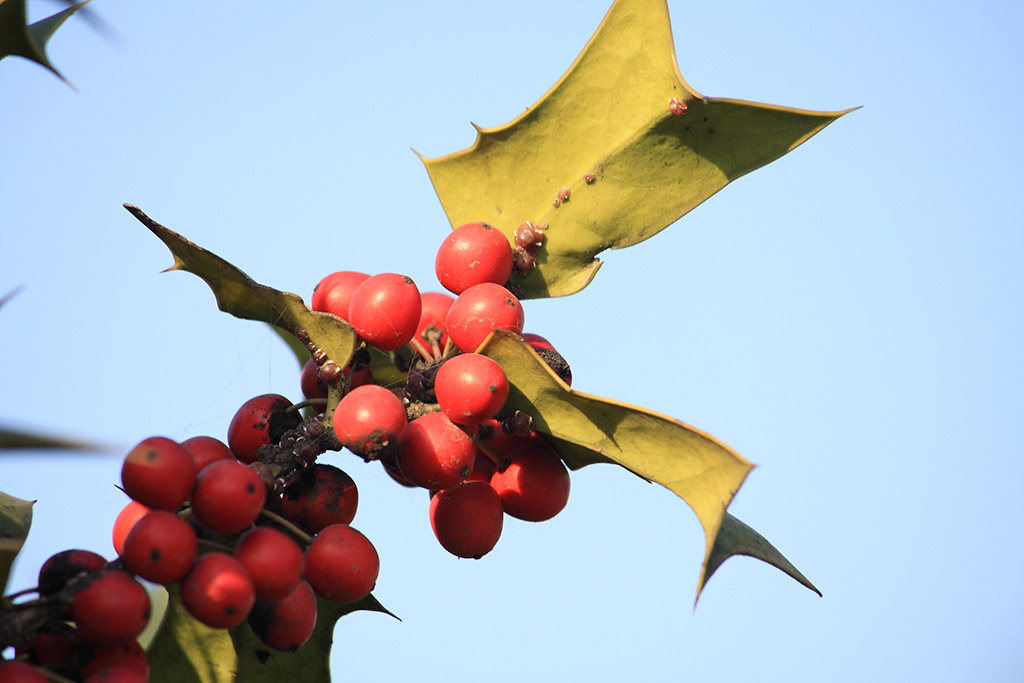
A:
848	318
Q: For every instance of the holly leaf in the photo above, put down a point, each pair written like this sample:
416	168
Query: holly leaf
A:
736	538
18	38
607	133
585	430
15	520
186	651
242	297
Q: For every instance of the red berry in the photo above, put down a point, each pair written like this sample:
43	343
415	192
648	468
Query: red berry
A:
261	420
467	518
369	419
537	342
218	591
206	449
161	547
390	464
435	453
228	497
433	311
385	310
309	381
334	292
158	473
341	564
53	647
470	388
126	519
60	568
471	254
287	624
535	485
273	560
323	495
478	311
112	608
20	672
128	655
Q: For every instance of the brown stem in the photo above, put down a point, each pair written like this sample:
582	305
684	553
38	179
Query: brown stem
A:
417	345
214	545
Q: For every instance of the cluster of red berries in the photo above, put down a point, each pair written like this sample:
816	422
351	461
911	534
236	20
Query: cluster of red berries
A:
255	529
445	430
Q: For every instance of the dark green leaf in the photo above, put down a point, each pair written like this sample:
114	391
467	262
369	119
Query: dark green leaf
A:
15	520
17	38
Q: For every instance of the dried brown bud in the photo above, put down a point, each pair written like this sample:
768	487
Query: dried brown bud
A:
523	261
677	106
588	178
330	372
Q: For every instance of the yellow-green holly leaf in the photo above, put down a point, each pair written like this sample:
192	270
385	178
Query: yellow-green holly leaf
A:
584	430
15	520
242	297
186	651
736	538
607	133
17	38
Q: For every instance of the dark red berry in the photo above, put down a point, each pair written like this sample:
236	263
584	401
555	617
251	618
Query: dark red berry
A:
206	449
117	674
467	518
478	311
161	547
112	608
273	560
59	568
218	591
228	497
385	310
471	254
435	453
53	647
158	473
322	495
128	655
310	382
261	420
20	672
287	624
341	564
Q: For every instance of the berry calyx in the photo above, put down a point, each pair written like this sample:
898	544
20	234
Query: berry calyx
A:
161	547
385	310
333	293
369	419
467	518
286	624
535	485
435	453
322	495
112	608
470	388
261	420
273	561
228	497
433	312
478	311
158	473
218	591
471	254
341	564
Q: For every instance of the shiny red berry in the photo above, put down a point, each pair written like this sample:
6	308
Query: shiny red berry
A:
158	473
535	485
112	608
341	564
433	311
273	560
471	254
467	518
161	547
470	388
124	522
206	449
369	419
218	591
228	497
322	495
334	292
478	311
385	310
435	453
